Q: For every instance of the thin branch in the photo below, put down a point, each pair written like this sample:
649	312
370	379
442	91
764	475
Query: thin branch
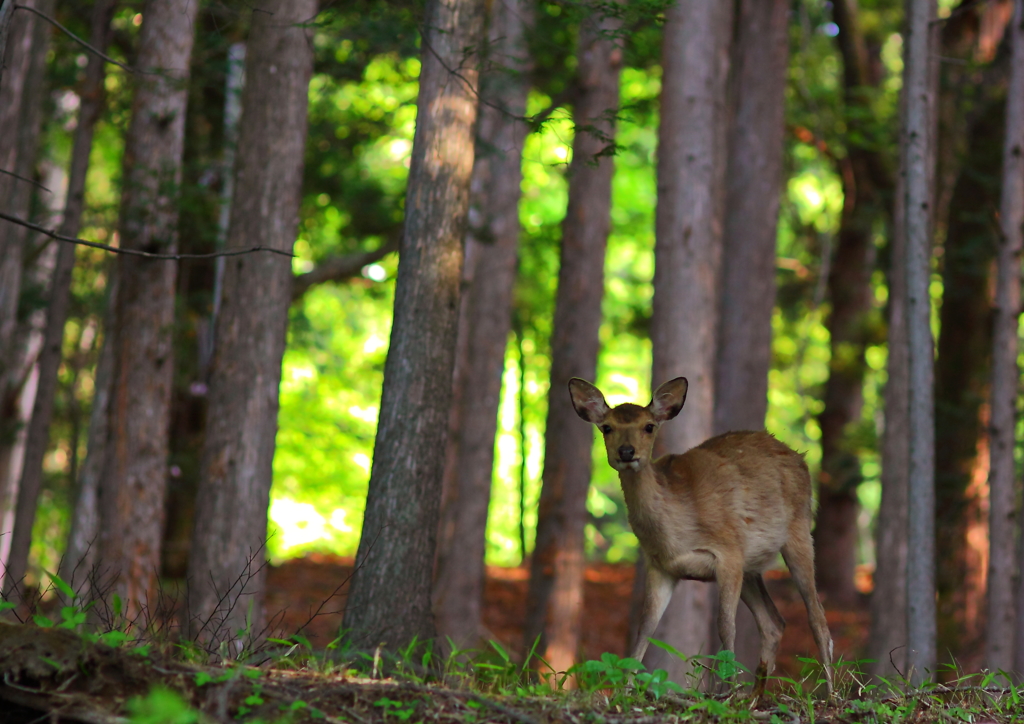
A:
136	252
26	180
74	37
339	268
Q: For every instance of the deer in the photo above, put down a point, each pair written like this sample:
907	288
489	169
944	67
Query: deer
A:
720	512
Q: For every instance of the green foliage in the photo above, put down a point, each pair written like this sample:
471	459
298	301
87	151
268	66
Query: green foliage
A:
161	706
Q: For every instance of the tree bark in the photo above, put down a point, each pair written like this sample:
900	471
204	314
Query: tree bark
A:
888	635
92	101
21	103
866	186
962	378
688	248
760	54
399	536
131	495
918	162
226	568
1003	572
555	599
485	320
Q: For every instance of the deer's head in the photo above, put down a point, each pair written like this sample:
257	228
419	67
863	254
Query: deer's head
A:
629	430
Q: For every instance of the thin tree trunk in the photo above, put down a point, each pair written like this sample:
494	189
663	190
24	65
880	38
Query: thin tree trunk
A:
888	637
918	165
134	481
21	104
399	536
684	326
226	568
485	320
962	378
78	564
753	189
1003	572
92	102
866	183
555	599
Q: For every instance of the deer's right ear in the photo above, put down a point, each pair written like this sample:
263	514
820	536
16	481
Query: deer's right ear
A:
668	399
588	400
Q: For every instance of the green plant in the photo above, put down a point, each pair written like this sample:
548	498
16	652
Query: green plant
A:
401	710
161	706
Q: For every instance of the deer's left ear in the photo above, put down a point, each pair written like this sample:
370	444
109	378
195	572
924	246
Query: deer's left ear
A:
668	399
587	400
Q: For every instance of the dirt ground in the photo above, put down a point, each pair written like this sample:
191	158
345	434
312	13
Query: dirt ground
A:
298	588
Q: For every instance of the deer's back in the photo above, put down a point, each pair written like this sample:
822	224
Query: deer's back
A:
739	489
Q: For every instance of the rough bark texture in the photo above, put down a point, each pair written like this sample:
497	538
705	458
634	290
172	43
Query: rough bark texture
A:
485	320
555	598
760	53
226	561
390	598
131	496
962	378
866	185
691	169
21	101
1001	635
92	101
918	161
888	636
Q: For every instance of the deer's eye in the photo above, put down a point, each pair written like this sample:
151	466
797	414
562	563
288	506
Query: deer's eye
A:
606	429
649	428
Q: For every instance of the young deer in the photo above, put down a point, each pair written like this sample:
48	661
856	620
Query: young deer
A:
720	512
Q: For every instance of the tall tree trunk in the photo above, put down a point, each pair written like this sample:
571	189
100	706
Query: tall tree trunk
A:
485	320
555	599
918	161
78	564
399	536
688	249
760	53
962	380
888	634
21	104
92	101
131	496
226	568
866	184
1001	636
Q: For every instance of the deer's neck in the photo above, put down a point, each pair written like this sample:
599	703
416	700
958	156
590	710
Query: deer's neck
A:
638	488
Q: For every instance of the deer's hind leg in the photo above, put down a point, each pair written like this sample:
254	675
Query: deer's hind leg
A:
799	556
770	625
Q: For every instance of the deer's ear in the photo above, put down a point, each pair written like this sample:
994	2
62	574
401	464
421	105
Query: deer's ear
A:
668	399
588	400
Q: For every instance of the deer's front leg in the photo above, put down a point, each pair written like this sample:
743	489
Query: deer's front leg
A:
657	594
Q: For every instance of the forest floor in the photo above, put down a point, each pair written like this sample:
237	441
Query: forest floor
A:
54	674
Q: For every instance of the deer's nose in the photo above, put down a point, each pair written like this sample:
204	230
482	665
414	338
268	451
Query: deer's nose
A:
626	453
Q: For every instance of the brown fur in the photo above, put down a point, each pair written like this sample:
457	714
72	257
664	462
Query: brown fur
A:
720	512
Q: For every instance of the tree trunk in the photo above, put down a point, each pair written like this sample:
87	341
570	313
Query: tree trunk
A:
918	135
1001	635
226	568
78	564
684	325
888	636
21	104
399	536
131	496
485	320
866	183
92	102
555	599
760	53
962	383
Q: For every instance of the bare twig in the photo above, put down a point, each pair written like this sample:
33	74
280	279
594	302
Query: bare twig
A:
74	37
136	252
339	268
26	180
